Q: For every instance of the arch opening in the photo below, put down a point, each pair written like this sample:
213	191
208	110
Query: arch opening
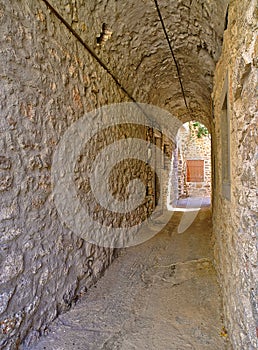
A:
191	169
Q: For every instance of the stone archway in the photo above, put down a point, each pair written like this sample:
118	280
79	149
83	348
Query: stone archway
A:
194	161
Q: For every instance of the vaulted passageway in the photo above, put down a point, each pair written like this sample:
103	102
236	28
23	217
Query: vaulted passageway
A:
62	61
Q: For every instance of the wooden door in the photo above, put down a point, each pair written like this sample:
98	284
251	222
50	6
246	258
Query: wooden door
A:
195	170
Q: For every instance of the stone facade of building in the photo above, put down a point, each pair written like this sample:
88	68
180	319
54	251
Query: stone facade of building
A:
235	175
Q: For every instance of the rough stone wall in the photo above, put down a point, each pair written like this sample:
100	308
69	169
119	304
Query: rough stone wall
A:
181	171
193	148
173	184
234	220
48	81
166	166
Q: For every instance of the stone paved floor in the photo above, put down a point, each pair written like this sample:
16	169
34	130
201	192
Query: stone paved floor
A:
184	202
160	295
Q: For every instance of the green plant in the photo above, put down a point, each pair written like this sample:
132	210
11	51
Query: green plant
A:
200	129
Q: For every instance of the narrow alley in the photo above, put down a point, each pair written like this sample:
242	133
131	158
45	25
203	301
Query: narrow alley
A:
112	115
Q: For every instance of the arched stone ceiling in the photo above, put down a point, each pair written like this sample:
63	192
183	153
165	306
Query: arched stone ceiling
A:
138	53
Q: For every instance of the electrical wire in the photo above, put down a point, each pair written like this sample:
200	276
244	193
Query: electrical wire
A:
172	53
86	46
104	66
